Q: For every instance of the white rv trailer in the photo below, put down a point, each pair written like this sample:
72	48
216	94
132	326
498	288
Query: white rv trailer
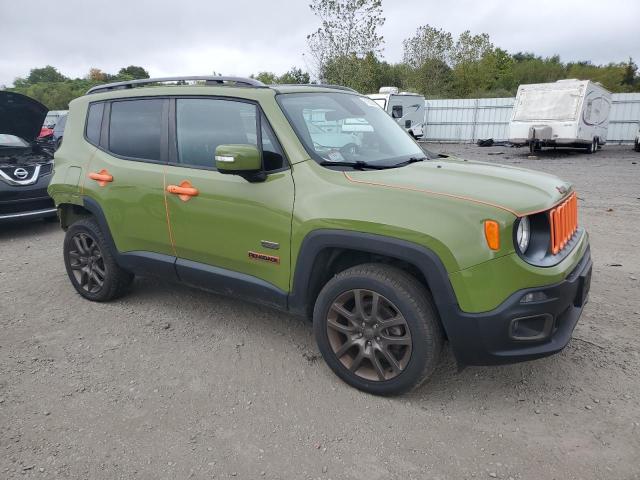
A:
567	113
406	108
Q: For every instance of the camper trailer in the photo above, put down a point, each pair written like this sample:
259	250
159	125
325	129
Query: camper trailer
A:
406	108
566	113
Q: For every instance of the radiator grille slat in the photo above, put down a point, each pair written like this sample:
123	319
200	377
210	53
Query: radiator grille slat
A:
564	223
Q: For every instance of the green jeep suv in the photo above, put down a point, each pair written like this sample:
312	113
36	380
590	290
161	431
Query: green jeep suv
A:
312	200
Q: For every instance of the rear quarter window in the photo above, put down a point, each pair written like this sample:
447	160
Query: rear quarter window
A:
94	122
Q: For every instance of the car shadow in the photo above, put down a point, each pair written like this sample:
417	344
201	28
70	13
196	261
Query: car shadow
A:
470	384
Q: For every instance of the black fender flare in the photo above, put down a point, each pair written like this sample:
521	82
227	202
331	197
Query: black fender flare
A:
423	258
96	210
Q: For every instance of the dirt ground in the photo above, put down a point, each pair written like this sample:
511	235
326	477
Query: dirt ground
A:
171	382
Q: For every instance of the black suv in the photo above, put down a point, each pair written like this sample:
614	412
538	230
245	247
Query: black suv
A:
25	166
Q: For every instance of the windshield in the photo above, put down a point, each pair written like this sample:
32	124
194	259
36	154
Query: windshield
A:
544	104
50	120
339	127
12	141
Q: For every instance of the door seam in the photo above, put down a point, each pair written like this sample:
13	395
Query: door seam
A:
166	208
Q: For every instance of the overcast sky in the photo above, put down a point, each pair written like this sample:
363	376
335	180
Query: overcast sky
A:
241	37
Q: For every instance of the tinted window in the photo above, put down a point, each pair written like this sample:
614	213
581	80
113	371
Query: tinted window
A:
135	128
202	125
272	156
94	122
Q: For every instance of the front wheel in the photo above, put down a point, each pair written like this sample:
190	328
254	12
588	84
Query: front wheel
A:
376	328
593	147
637	146
92	269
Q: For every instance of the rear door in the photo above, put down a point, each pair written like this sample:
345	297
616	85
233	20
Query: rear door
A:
234	232
126	176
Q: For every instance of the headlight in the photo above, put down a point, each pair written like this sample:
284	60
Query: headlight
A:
523	234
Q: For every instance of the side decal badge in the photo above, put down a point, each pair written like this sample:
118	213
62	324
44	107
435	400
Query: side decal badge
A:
265	258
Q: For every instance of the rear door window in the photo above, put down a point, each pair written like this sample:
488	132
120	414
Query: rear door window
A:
135	128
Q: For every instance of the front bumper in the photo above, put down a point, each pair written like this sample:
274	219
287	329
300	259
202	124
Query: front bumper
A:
517	331
26	202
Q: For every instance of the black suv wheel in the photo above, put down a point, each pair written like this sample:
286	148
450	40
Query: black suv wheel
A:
377	329
91	268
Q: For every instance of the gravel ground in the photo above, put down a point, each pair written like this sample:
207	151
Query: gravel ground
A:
171	382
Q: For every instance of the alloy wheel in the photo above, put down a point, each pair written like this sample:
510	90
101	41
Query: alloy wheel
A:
87	263
369	335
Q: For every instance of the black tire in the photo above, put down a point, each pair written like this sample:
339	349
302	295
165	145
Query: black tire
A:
534	147
592	147
85	249
636	147
412	301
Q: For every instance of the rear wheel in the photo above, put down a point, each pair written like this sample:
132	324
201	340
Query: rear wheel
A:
637	146
92	269
377	329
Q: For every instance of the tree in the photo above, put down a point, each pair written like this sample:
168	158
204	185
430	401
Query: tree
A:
630	73
365	75
37	75
349	28
427	44
471	48
467	54
132	72
294	76
268	78
96	75
433	78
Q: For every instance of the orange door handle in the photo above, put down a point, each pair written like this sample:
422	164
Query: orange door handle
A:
102	177
184	191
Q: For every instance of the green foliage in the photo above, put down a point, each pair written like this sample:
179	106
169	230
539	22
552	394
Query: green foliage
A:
133	72
46	74
346	49
55	90
361	74
293	76
267	78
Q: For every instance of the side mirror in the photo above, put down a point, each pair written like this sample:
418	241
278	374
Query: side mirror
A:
243	160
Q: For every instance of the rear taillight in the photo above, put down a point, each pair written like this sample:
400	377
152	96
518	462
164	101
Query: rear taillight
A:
564	223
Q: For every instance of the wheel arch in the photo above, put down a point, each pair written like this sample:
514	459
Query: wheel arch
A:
324	253
69	213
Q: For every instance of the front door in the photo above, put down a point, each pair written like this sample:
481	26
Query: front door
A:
234	235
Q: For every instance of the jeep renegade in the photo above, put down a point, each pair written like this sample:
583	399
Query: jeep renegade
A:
312	200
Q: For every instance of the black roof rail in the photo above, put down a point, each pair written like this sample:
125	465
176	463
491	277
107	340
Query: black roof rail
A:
321	85
209	80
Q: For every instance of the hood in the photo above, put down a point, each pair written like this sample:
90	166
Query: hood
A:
516	190
20	115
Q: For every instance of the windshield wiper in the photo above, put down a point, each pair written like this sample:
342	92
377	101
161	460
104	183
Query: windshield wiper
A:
358	165
361	165
411	160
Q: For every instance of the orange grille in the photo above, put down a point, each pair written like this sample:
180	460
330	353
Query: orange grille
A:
564	223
